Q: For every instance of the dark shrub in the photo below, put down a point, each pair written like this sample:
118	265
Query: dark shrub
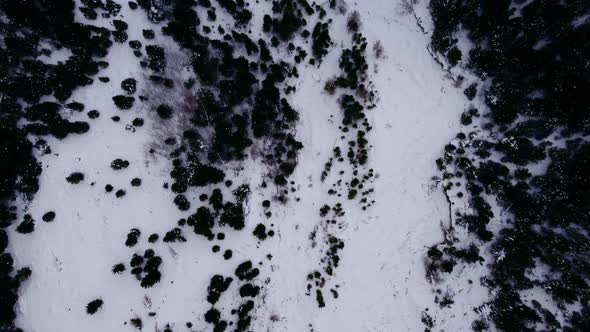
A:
164	111
75	178
123	102
118	268
233	216
245	271
119	164
93	114
27	225
48	216
182	203
132	237
129	85
93	306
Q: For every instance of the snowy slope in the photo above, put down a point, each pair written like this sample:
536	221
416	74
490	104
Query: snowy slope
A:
381	278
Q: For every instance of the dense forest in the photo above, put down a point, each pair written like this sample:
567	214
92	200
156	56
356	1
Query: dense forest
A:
532	60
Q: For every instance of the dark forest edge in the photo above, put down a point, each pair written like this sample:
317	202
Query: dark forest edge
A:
533	61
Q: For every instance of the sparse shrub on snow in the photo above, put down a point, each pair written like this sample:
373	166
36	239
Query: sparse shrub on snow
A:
132	237
75	178
93	306
353	23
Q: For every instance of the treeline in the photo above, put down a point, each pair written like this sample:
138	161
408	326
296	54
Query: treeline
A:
535	56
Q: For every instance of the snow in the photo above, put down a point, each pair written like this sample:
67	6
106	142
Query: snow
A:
381	278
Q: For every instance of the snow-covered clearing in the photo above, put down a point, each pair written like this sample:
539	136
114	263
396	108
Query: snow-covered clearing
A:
381	278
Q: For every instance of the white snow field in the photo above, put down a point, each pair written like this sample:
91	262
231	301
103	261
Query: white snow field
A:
381	278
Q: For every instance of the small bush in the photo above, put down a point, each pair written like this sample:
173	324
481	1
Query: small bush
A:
353	23
454	55
27	225
260	232
148	34
137	323
245	271
129	85
175	235
378	50
48	216
119	164
93	306
118	268
93	114
132	237
123	102
75	178
182	203
164	111
471	91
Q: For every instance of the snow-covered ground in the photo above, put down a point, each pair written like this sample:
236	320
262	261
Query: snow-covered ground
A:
381	278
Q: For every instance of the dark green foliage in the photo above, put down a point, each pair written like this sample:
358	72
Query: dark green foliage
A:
260	232
520	150
471	91
182	203
245	271
212	316
467	116
203	222
249	290
242	192
137	122
148	34
119	164
120	25
93	306
48	216
353	111
353	22
152	274
93	114
75	178
46	119
76	106
233	216
129	85
153	238
123	102
132	237
320	299
216	199
27	225
118	268
137	323
175	235
454	55
217	285
202	175
321	40
164	111
157	58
